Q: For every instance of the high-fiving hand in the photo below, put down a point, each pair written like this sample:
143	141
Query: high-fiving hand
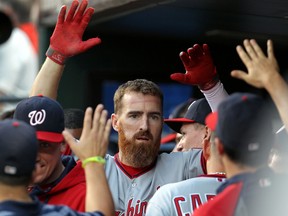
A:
66	40
199	66
95	135
260	67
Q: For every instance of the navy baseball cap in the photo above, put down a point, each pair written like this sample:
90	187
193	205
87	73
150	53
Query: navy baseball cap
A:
196	113
242	123
19	147
45	115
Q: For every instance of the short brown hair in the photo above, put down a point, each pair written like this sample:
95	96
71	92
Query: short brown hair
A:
143	86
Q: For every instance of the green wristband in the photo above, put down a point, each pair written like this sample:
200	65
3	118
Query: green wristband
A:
95	159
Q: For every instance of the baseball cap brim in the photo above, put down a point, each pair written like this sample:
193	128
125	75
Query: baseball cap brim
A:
176	123
211	120
50	136
168	138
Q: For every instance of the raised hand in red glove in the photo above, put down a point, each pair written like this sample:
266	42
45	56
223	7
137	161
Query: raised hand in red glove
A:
66	40
199	66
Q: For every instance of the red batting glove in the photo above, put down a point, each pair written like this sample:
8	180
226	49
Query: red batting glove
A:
66	40
199	67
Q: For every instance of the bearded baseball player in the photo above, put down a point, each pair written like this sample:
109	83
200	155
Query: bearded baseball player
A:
137	171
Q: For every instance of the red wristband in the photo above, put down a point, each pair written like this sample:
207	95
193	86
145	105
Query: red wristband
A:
56	56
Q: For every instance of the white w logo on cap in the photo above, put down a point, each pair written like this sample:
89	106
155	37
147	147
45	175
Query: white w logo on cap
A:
37	117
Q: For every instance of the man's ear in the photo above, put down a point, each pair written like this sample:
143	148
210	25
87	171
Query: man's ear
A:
114	119
206	149
207	133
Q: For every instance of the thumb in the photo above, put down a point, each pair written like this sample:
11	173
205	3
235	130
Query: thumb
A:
238	74
69	139
179	77
90	43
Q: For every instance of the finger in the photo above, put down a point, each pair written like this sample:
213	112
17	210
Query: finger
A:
90	43
198	50
87	122
101	126
206	49
97	115
249	49
243	55
184	58
195	51
72	10
80	11
270	49
85	19
238	74
106	136
61	16
69	139
257	48
108	128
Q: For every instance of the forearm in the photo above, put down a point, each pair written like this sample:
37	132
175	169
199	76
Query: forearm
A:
98	195
278	90
48	79
215	95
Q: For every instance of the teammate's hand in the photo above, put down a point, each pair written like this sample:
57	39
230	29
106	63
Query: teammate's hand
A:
66	40
199	66
261	69
94	139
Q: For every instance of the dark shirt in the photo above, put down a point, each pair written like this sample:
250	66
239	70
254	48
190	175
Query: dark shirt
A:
36	208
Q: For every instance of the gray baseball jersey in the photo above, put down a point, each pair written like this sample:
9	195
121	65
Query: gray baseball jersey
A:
131	191
182	198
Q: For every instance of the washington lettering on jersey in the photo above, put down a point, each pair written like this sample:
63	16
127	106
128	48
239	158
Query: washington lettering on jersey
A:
131	191
138	210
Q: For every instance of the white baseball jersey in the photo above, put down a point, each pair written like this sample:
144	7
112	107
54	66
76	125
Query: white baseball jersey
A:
182	198
132	189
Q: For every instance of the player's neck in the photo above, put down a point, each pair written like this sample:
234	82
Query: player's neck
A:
233	169
14	193
215	167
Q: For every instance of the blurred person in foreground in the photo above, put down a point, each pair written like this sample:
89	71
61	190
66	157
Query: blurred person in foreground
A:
264	72
244	139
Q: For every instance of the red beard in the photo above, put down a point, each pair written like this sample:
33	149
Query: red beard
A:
136	153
